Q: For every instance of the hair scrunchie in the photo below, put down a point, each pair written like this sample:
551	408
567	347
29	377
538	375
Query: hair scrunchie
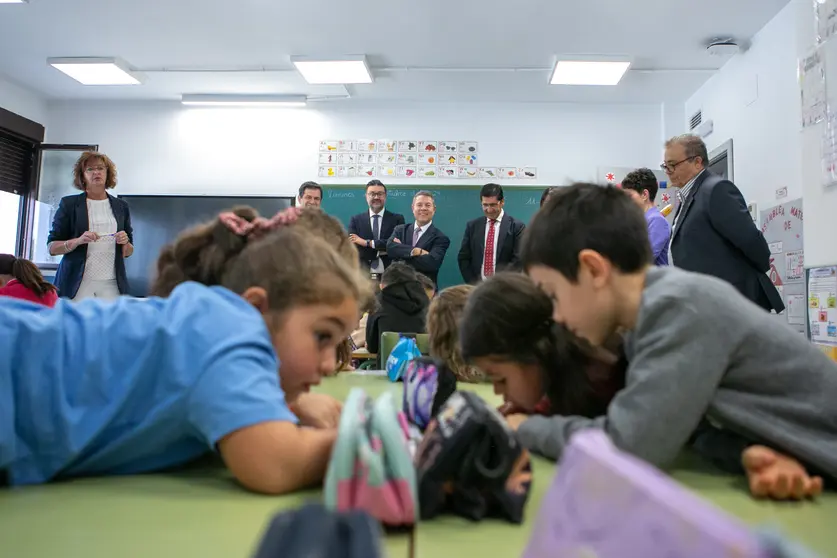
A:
258	227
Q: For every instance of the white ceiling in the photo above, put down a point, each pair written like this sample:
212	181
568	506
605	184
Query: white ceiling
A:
454	50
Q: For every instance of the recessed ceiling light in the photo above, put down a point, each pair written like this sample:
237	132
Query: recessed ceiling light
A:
589	72
342	70
96	71
244	100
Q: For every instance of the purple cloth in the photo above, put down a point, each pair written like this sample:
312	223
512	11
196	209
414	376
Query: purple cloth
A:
659	233
613	505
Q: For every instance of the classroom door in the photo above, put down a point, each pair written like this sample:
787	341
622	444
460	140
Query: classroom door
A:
54	181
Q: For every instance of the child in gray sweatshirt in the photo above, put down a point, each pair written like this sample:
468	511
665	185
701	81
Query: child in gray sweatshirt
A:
705	364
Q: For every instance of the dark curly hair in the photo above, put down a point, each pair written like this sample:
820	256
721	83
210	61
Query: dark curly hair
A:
639	180
81	164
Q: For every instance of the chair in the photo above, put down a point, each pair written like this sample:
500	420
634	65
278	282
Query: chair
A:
389	339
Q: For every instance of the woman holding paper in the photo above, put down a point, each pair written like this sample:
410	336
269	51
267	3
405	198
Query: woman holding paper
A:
92	230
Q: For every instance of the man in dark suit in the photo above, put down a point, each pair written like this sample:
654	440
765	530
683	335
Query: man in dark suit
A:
713	232
310	195
371	229
421	245
491	243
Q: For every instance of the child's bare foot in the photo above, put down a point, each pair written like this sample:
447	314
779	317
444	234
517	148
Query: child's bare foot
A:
775	475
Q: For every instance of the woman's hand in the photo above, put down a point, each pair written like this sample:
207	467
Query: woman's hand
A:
86	238
317	410
121	237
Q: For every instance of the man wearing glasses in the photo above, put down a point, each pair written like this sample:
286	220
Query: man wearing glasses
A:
371	229
713	232
491	243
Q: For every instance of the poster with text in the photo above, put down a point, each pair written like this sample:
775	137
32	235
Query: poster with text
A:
781	226
822	305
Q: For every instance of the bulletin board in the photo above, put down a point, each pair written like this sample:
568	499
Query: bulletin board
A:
822	308
782	227
817	73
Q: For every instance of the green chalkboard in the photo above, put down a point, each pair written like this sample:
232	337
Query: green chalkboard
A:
455	206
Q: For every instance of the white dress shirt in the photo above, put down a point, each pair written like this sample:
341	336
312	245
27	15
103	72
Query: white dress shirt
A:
485	241
421	231
377	265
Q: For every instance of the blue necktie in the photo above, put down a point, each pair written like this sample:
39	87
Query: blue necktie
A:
376	231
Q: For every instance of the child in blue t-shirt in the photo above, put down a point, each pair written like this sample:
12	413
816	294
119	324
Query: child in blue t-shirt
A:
706	367
132	386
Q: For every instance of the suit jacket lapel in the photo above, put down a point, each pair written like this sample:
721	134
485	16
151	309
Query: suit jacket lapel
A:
505	225
426	237
680	218
479	234
82	220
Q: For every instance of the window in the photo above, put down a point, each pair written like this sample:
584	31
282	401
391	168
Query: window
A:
55	182
9	222
16	157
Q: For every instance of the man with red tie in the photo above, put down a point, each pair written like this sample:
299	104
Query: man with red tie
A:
491	243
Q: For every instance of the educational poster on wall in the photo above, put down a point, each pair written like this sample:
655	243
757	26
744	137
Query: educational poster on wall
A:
826	16
812	88
781	226
822	306
412	159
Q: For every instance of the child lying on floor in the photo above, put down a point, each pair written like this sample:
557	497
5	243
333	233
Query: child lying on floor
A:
134	386
699	353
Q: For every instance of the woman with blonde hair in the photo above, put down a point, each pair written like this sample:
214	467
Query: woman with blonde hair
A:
92	231
443	319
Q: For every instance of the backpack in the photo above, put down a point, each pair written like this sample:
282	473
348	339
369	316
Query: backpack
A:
404	351
371	468
470	463
427	386
315	531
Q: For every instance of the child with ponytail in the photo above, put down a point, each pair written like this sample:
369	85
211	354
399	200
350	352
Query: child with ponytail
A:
22	279
250	321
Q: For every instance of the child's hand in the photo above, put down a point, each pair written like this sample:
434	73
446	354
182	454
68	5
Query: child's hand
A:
317	410
516	420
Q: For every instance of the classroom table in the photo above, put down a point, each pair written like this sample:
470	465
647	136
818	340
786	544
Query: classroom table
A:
363	354
201	512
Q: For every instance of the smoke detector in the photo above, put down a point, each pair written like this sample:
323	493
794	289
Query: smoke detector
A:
722	47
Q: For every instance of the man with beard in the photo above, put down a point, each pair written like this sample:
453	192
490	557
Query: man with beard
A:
371	229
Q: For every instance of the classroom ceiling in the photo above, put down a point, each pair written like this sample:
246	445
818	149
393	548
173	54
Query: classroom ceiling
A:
434	50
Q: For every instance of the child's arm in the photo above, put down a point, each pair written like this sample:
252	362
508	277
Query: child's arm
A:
277	457
680	356
238	407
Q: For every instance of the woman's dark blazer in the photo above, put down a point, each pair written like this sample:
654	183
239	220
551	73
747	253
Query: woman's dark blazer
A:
70	222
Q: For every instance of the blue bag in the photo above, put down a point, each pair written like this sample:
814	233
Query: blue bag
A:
404	351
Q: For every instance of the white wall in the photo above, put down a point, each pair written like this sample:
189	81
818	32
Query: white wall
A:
755	100
22	101
164	148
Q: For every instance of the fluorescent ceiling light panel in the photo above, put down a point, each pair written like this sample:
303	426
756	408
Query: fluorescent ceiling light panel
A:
244	100
342	70
589	72
96	71
13	1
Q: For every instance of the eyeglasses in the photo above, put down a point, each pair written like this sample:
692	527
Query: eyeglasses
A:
95	169
377	194
669	167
